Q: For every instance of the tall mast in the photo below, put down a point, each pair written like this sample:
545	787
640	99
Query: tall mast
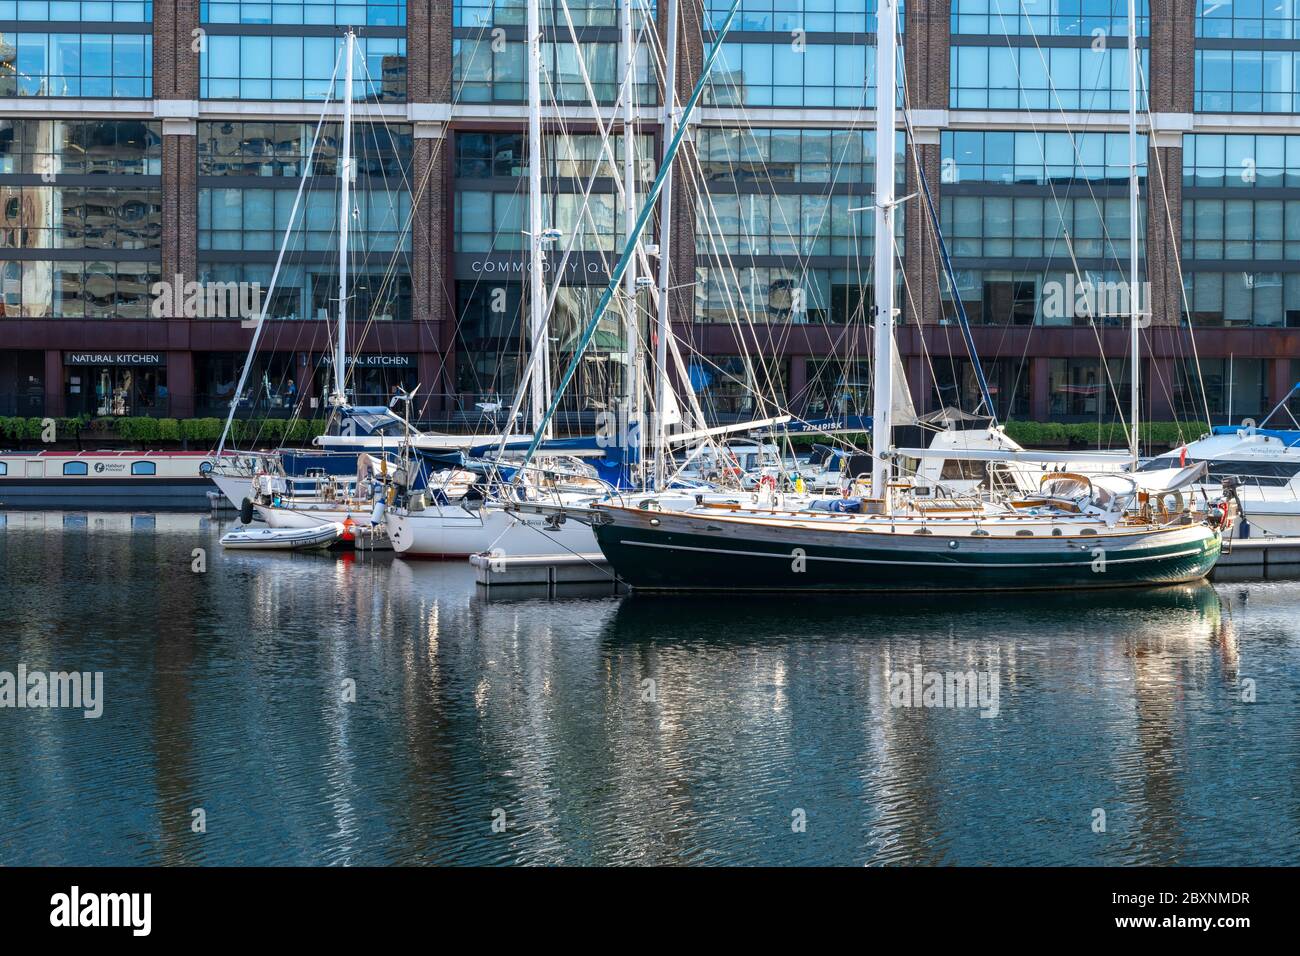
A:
345	217
538	338
631	428
1134	296
883	381
663	326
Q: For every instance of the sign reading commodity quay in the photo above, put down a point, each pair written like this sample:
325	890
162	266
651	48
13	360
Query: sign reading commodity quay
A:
114	358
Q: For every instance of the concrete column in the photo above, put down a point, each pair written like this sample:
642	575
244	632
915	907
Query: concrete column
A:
925	46
54	405
431	280
690	63
428	51
180	221
922	263
1171	75
1172	81
1164	231
177	50
428	82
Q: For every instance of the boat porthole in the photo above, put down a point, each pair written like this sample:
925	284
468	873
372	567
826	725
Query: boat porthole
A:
1056	532
1024	533
952	545
1088	531
654	521
979	533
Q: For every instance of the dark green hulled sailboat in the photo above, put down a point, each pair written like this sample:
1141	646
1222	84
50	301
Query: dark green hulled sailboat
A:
1083	537
719	549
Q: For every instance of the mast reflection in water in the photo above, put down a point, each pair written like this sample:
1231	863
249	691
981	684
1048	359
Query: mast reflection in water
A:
623	730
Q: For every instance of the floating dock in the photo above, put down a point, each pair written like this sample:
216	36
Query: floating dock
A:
542	571
1263	552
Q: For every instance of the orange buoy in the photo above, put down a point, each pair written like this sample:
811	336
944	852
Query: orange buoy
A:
348	524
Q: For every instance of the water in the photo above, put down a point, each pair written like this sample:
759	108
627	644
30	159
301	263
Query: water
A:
225	692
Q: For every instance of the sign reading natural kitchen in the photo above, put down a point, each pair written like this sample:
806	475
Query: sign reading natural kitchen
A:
115	358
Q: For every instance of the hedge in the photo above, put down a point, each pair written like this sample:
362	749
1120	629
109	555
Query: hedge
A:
141	430
1102	435
274	431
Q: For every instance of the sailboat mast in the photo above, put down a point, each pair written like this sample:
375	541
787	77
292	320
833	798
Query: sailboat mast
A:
538	339
631	428
883	364
664	319
1134	297
345	217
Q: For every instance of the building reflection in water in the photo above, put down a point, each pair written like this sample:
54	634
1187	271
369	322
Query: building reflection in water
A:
641	729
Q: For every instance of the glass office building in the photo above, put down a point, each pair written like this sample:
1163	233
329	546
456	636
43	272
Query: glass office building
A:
147	149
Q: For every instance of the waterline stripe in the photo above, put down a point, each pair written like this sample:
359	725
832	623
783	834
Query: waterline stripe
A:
928	564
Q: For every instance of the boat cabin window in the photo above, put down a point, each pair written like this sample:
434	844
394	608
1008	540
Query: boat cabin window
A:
4	467
1070	488
74	467
143	468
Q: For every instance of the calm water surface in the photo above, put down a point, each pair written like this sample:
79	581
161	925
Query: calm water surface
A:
225	691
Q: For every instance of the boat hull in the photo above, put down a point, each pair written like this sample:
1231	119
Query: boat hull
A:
698	553
454	532
282	539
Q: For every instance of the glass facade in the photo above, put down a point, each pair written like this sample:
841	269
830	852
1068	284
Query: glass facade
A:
791	156
78	11
239	221
390	13
72	246
786	74
782	294
1251	20
582	13
1036	216
1241	161
488	71
784	16
118	65
1241	230
1044	18
1040	159
1043	78
1247	81
1038	225
248	67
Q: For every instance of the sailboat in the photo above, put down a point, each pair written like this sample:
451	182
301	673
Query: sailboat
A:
1076	532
